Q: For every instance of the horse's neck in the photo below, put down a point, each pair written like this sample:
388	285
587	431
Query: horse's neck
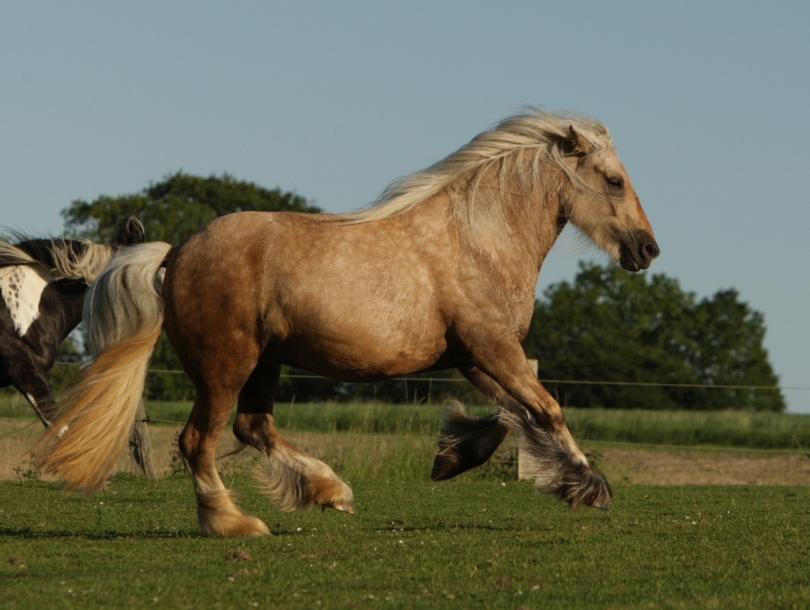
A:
70	298
512	224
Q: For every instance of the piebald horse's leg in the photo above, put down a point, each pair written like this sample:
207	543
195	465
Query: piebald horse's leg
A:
560	467
27	373
295	480
217	512
38	394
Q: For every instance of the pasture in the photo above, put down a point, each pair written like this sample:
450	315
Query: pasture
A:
483	540
382	441
754	430
413	544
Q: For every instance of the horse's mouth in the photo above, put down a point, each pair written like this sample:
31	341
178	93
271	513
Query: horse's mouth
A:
638	255
627	263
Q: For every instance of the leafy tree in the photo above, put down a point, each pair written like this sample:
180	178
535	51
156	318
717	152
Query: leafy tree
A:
178	206
170	211
612	326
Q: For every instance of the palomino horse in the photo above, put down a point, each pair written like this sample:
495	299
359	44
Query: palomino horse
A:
42	283
440	273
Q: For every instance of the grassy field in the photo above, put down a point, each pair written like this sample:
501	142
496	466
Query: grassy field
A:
471	544
410	457
483	540
684	428
720	428
681	428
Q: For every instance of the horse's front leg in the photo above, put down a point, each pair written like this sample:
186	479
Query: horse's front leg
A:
559	466
467	442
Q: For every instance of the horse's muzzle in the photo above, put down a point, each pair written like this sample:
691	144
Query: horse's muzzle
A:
638	255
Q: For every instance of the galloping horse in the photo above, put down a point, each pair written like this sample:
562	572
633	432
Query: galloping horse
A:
440	273
42	282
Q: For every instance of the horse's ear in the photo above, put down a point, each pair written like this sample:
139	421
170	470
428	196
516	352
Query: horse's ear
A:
129	232
575	144
136	230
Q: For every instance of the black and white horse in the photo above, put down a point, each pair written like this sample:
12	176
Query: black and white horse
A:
42	285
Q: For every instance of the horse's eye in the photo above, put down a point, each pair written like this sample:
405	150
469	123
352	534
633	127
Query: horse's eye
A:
615	183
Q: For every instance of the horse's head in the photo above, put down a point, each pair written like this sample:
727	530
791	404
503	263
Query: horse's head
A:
603	204
128	232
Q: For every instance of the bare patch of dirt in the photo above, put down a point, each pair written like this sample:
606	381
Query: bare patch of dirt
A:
647	466
671	466
17	436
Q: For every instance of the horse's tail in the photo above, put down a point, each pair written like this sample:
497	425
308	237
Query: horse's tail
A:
123	314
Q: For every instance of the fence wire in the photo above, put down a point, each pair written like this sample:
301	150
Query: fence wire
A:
649	384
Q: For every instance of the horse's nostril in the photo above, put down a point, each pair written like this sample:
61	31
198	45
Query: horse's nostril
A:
650	251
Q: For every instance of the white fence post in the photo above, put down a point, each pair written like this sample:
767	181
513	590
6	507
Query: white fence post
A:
523	461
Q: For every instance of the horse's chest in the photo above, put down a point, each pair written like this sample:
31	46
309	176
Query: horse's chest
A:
22	289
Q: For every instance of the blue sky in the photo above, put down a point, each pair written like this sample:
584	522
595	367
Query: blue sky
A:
707	102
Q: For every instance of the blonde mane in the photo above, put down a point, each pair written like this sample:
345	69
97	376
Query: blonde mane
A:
64	263
535	131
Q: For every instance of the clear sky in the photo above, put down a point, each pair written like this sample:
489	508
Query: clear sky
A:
707	102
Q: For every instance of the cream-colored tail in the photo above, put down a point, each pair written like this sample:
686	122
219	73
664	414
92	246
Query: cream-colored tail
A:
123	316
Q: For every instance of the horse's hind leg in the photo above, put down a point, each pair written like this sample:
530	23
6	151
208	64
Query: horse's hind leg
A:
217	512
38	394
28	374
295	480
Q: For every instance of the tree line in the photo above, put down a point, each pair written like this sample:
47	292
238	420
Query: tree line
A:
605	326
612	326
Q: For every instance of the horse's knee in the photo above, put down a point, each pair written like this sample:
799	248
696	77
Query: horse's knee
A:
256	430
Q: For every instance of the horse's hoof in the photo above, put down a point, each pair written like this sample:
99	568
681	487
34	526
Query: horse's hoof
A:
252	527
233	525
346	507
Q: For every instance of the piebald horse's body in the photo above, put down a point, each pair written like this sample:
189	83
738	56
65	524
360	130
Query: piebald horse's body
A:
441	273
42	287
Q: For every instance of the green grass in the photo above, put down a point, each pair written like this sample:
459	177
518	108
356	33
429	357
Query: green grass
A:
461	544
762	430
682	428
390	457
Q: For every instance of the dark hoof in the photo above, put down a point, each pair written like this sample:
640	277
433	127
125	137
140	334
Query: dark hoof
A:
466	442
592	489
446	466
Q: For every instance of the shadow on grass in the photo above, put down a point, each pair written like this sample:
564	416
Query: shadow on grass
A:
440	527
30	533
